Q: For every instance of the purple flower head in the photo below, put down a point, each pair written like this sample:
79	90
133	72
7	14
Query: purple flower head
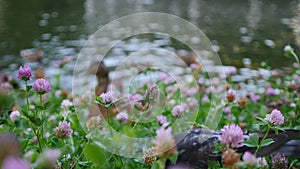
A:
29	156
231	92
58	93
162	119
60	63
15	163
66	103
194	66
178	110
41	86
232	135
275	117
133	98
292	105
191	91
271	92
227	110
249	158
262	162
52	155
24	73
6	85
52	118
231	95
48	158
205	99
280	161
152	92
9	78
192	103
232	70
200	80
165	144
63	130
32	107
13	115
166	78
123	116
107	97
68	59
254	98
288	48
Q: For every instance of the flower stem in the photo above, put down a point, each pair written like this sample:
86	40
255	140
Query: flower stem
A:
36	133
108	121
117	158
41	100
79	156
26	95
297	106
265	136
296	57
38	138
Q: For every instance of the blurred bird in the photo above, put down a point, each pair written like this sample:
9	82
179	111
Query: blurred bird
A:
196	146
32	55
39	72
102	74
188	58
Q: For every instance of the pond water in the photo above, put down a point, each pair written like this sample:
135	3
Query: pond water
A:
254	29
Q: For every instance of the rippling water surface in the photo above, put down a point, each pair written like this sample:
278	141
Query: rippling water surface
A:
254	29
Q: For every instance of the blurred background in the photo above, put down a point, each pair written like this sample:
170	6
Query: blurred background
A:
256	29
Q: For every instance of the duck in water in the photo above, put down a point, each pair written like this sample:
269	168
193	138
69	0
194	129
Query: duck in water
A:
196	147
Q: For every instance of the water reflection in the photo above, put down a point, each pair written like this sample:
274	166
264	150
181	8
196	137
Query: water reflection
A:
2	15
255	29
254	16
194	11
295	23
